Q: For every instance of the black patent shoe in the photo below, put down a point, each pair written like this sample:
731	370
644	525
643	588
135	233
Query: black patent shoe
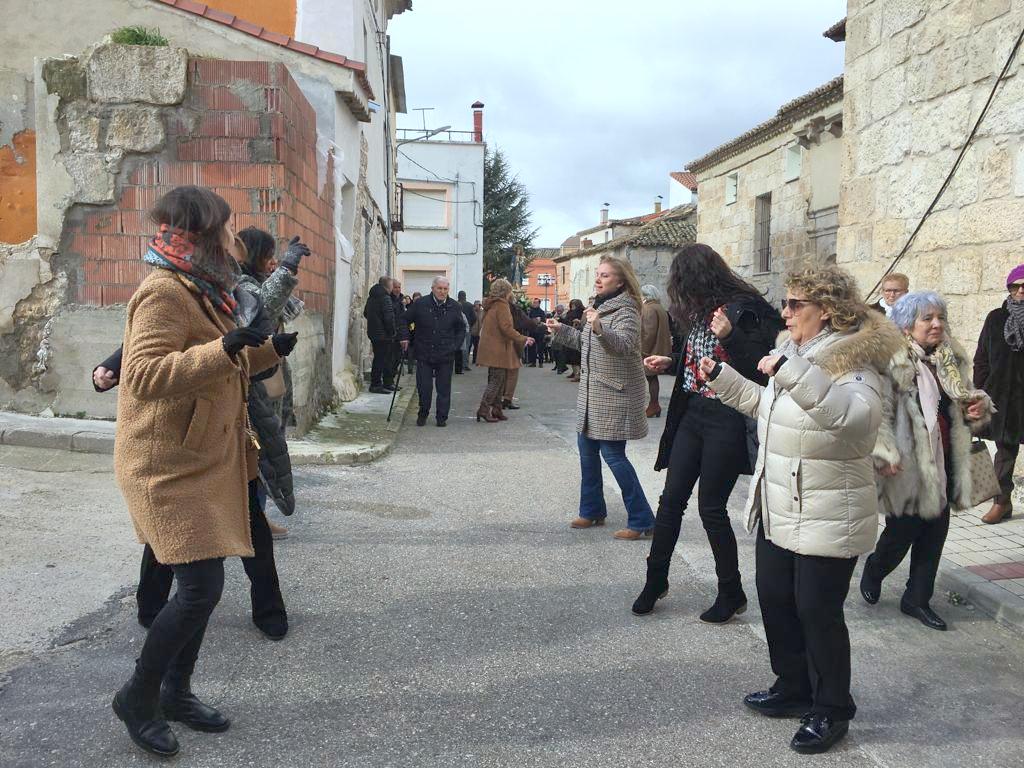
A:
181	705
136	706
421	420
725	608
818	733
771	704
925	615
869	592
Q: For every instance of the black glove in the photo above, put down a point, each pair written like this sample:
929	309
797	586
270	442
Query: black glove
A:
237	338
284	343
296	250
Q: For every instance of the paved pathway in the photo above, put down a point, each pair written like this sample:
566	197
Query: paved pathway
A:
444	614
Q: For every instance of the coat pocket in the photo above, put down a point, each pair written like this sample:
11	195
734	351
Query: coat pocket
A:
196	433
615	384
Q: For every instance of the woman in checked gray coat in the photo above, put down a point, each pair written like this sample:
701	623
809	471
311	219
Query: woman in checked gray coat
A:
612	395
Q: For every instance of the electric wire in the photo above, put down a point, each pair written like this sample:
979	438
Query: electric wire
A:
953	170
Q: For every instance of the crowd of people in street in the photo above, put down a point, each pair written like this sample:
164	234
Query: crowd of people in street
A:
839	412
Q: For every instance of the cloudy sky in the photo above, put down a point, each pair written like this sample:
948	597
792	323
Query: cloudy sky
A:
597	100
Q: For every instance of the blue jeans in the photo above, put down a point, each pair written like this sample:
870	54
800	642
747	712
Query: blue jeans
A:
592	506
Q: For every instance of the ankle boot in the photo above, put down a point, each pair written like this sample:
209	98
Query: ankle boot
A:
179	703
137	706
484	412
730	602
655	588
497	414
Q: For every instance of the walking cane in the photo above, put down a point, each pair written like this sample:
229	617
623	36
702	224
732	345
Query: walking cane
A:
398	378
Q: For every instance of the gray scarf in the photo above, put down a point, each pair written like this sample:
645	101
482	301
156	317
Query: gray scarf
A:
790	348
1013	331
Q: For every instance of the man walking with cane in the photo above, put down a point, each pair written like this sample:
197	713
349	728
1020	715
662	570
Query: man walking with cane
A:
440	327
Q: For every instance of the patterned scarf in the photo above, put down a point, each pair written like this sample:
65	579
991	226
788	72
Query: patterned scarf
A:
1013	331
947	370
701	343
173	249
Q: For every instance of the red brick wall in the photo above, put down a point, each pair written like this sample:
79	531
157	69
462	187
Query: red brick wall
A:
260	157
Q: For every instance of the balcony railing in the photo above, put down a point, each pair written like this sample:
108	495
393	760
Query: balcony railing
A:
414	134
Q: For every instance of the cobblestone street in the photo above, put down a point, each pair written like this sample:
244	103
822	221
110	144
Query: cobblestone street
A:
444	614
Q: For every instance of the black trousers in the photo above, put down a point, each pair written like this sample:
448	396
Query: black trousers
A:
382	364
155	578
427	372
176	635
924	540
710	445
1005	458
396	364
474	345
802	599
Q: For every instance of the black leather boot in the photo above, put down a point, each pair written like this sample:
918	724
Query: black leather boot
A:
729	603
818	733
654	589
136	705
181	705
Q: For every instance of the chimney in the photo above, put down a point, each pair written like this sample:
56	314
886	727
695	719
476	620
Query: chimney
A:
478	122
657	206
604	214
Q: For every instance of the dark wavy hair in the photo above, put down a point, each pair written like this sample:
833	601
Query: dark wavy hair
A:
260	246
699	280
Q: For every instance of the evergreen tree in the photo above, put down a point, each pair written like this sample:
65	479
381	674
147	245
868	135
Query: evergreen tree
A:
506	219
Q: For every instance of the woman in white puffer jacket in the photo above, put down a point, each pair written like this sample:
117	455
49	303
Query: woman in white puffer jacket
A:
813	491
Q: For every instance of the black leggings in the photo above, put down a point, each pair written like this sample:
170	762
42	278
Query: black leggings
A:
711	445
176	635
267	602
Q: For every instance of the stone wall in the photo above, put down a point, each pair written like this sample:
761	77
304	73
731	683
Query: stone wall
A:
803	210
121	126
917	75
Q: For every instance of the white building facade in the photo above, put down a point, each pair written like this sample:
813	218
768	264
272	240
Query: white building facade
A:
442	193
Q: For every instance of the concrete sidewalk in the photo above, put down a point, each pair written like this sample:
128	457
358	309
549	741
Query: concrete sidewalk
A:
357	432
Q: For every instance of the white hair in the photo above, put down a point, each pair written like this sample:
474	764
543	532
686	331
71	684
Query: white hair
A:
440	279
650	292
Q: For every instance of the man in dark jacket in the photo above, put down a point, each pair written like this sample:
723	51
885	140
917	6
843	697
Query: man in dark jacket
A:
535	352
440	328
462	361
398	346
380	327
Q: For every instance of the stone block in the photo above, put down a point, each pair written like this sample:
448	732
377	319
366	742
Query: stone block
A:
65	78
856	200
886	142
888	237
863	32
925	270
22	268
135	129
93	182
1006	115
938	232
137	73
996	178
997	261
1018	176
986	10
993	221
963	189
82	128
897	15
93	442
888	93
961	272
944	123
29	437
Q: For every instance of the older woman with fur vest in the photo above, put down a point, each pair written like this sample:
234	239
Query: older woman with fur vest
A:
923	452
812	496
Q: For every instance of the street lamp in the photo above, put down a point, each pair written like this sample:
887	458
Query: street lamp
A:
547	281
425	136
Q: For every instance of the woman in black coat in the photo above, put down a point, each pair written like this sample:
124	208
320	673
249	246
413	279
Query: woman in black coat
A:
723	317
999	371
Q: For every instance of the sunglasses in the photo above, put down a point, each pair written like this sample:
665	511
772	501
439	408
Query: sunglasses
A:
1015	288
794	304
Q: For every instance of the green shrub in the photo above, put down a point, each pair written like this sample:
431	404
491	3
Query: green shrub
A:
138	36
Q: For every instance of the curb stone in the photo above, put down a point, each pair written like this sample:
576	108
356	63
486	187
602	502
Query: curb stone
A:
1001	604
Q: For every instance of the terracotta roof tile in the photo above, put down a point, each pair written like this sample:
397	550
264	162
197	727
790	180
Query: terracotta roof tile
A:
672	228
267	35
685	178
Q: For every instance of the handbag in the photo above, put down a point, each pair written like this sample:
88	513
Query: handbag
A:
984	484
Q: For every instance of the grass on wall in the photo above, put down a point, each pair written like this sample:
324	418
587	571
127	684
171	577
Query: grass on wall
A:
138	36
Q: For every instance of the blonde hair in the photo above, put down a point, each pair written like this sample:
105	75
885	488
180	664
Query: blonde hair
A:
897	277
625	271
835	290
501	288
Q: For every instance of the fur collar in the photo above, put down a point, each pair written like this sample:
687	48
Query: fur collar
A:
872	344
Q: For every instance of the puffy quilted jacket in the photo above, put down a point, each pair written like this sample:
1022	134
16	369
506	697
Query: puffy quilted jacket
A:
814	482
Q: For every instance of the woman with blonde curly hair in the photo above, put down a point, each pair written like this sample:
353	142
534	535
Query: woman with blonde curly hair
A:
812	495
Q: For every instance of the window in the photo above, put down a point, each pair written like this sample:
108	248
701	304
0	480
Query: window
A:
794	155
526	279
763	233
732	183
425	208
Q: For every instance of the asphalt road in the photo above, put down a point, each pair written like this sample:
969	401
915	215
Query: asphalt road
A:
444	614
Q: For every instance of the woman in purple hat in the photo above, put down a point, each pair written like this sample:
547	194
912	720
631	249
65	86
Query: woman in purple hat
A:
999	370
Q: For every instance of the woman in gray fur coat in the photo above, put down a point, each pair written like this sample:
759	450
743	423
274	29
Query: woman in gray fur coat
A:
922	454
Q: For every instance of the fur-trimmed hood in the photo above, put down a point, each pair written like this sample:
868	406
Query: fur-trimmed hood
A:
872	344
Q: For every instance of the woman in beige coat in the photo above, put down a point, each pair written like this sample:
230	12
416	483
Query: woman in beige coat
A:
812	495
655	339
184	452
611	398
498	349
